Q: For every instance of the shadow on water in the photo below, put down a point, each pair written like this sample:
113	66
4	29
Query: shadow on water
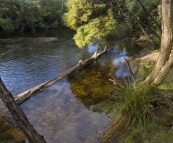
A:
58	112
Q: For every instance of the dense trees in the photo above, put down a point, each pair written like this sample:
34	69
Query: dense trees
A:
94	20
29	15
99	19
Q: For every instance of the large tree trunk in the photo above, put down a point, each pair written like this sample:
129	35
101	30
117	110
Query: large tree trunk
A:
165	59
39	88
19	116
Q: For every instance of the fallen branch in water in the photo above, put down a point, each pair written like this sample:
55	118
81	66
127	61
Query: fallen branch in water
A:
130	70
21	98
18	115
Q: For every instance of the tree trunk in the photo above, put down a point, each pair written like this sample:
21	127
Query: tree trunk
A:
165	60
39	88
19	116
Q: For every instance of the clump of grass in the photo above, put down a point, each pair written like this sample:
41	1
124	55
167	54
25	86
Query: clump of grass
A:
133	107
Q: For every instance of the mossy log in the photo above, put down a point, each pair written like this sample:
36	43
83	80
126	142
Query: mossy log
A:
21	98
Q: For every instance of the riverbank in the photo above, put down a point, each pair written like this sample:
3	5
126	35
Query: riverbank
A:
159	127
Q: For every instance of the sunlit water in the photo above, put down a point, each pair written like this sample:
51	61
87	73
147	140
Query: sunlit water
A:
62	112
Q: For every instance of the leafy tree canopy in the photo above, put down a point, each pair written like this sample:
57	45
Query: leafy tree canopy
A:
94	20
22	15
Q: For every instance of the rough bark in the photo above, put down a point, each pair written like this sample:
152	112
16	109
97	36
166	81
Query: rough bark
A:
39	88
164	71
157	75
19	116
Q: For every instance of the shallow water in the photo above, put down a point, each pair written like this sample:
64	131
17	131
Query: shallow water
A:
62	112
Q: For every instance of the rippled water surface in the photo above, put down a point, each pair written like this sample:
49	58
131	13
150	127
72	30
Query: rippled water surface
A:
62	112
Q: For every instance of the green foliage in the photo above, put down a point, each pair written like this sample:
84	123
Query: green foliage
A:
157	39
41	24
94	20
152	7
6	25
22	15
132	111
132	108
80	12
131	101
54	24
137	10
97	28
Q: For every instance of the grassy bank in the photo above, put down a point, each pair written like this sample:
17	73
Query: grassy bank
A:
140	114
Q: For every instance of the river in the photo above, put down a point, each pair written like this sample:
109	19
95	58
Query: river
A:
62	113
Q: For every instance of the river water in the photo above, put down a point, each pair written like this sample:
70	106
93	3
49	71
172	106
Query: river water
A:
62	113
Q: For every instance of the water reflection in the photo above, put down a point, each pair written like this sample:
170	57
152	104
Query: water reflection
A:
61	117
92	84
58	112
92	48
9	132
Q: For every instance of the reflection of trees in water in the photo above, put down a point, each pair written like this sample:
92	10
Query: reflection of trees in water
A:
9	132
127	48
122	70
92	85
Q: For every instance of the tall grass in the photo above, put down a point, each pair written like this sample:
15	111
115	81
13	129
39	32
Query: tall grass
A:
132	108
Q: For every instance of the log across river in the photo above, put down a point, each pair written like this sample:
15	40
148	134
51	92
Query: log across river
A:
62	111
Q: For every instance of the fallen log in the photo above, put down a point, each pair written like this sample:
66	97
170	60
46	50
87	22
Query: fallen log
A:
19	116
21	98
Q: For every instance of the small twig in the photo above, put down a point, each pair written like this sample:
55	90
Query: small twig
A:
115	81
112	81
96	52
